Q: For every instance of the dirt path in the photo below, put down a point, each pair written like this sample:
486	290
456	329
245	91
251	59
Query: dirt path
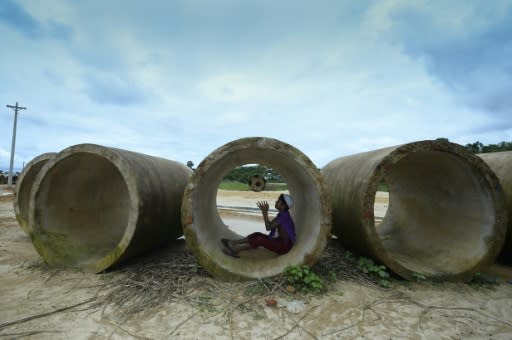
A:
41	303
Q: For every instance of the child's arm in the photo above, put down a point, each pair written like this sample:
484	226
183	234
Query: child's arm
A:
269	225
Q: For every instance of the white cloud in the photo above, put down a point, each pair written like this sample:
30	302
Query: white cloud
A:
233	88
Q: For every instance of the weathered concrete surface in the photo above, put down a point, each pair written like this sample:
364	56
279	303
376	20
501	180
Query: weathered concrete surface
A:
501	164
24	187
92	206
203	227
446	216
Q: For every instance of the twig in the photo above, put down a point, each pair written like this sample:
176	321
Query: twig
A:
24	334
11	323
118	326
182	323
297	325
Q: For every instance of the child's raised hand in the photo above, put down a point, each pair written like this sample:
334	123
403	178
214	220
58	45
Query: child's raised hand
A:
263	205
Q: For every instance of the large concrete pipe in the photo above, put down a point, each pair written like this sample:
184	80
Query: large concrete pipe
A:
92	206
501	164
24	186
446	217
204	228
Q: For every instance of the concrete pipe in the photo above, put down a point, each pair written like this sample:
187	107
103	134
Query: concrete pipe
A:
446	217
23	188
501	164
93	207
204	228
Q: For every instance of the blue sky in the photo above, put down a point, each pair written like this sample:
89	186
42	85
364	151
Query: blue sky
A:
178	79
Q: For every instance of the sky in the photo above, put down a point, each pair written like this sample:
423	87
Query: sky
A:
178	79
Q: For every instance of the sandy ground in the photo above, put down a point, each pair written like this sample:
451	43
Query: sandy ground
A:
42	303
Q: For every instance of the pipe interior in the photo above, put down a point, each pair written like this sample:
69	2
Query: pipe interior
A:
439	216
244	217
87	205
381	203
306	212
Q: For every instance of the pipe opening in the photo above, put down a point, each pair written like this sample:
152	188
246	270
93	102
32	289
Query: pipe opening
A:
380	206
86	209
204	227
254	259
236	197
440	215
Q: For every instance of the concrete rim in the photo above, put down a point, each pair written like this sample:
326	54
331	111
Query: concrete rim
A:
47	247
203	227
501	164
492	228
23	188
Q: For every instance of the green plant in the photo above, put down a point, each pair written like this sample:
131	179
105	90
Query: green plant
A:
376	271
303	279
331	276
419	277
483	278
350	257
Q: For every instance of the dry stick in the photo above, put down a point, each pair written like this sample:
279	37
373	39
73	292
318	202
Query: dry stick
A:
297	325
430	307
182	323
230	315
364	309
305	330
11	323
426	309
124	330
29	333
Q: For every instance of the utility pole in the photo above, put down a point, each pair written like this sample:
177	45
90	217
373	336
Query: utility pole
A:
16	108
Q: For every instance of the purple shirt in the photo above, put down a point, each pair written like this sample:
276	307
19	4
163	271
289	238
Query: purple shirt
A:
285	220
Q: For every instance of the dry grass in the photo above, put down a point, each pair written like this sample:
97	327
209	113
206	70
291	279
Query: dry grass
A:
171	275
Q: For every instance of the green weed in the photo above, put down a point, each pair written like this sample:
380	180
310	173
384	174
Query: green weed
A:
303	279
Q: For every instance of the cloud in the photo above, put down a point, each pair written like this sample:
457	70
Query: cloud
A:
467	46
16	17
180	78
112	89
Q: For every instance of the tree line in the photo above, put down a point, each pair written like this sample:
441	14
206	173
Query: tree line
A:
245	172
479	147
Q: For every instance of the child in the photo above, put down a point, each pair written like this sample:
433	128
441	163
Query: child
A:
282	231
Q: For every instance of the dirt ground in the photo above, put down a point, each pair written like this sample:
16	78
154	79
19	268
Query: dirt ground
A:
163	296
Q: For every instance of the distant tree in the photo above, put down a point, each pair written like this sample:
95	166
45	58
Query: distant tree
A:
244	173
478	147
190	164
442	139
475	147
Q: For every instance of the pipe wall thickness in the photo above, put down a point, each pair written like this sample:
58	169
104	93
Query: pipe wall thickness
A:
93	207
446	217
23	189
501	164
204	228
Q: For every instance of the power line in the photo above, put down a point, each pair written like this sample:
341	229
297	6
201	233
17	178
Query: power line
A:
16	108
